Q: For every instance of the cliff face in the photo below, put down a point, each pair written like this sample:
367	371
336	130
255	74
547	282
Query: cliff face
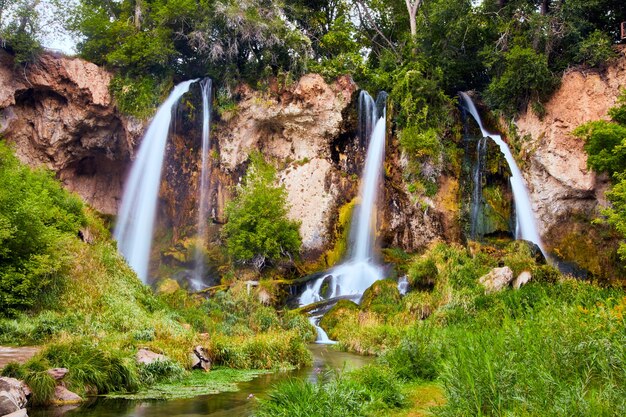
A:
59	114
564	192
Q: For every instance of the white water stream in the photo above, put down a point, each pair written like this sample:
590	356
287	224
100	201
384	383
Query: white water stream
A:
360	271
135	221
526	227
203	192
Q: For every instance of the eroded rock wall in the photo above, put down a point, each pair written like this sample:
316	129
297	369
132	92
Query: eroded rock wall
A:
562	189
59	114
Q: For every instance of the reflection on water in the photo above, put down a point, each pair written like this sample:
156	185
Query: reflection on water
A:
226	404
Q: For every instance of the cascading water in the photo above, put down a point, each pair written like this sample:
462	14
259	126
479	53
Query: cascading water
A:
359	272
203	195
525	219
477	191
135	222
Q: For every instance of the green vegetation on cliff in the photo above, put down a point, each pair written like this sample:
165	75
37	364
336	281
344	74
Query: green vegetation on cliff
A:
605	144
258	231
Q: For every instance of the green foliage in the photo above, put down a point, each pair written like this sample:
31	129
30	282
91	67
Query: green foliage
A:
422	273
417	356
37	219
382	297
526	77
596	49
20	31
137	96
258	231
89	365
357	393
160	371
605	144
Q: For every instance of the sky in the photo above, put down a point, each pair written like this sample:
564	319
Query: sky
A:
54	34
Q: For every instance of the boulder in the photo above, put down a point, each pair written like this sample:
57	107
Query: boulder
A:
58	373
199	359
18	413
522	279
12	395
146	357
64	396
497	279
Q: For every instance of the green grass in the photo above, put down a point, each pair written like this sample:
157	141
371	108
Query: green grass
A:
555	347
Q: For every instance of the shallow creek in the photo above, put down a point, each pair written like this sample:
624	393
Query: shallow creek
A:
225	404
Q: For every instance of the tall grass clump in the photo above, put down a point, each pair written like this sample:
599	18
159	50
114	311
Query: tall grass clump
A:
103	370
561	361
358	393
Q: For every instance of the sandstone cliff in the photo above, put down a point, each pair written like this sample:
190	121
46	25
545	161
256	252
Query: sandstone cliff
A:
59	114
564	192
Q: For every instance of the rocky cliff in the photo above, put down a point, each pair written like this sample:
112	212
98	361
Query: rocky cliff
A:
564	192
59	114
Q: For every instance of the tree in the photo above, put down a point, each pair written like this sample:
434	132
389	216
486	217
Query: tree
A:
412	7
19	29
258	231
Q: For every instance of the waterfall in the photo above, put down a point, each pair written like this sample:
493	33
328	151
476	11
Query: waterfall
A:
135	222
359	272
526	227
477	190
203	195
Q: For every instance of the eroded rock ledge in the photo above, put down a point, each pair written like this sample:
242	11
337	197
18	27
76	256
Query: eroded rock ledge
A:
59	113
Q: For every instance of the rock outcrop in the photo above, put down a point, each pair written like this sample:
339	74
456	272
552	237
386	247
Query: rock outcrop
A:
12	395
497	279
60	115
558	179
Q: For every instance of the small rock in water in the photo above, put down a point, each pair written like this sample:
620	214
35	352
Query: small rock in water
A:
64	396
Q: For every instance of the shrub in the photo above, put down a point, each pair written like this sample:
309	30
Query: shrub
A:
258	231
160	371
417	356
596	49
526	76
91	366
422	273
37	220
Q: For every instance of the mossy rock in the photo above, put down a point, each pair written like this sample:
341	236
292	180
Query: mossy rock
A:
382	297
422	274
168	286
340	312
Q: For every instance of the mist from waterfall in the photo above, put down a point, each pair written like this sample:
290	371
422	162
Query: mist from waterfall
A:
526	227
203	192
135	221
360	270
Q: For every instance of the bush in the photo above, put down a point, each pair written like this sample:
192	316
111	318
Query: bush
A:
258	231
422	273
160	371
37	220
91	366
596	49
526	76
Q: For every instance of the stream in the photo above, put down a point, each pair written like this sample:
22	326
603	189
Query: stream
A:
225	404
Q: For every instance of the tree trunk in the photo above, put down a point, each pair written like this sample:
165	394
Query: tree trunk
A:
137	18
412	7
545	7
